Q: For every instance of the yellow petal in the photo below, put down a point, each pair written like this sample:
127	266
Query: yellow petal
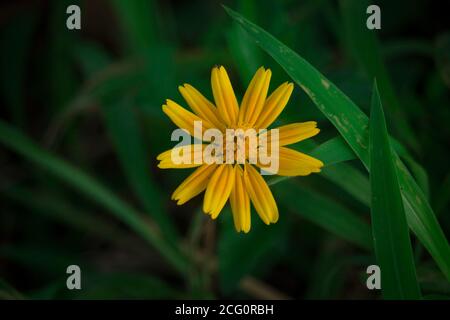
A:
200	105
173	158
194	184
224	96
260	195
254	97
274	105
240	203
292	133
218	189
295	163
184	119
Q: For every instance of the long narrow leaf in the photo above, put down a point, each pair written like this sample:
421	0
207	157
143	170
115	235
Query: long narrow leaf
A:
350	179
15	140
331	152
60	209
352	124
390	231
327	214
364	46
126	135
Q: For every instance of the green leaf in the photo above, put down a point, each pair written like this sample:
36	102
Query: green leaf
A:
336	150
91	57
245	53
350	179
145	37
126	135
352	124
390	231
364	46
330	152
15	140
123	128
327	214
58	208
333	151
45	261
417	170
138	23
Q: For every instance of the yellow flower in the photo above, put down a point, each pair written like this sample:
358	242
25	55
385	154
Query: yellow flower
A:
240	183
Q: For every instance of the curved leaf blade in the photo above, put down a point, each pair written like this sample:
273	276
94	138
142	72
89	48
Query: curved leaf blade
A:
390	231
364	46
85	184
352	124
328	214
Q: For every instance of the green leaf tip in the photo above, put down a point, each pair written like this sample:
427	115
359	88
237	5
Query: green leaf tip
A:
389	226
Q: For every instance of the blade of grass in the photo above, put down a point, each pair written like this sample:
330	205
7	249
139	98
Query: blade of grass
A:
365	48
15	140
123	128
59	209
42	260
245	52
352	124
326	213
115	77
331	152
349	179
125	133
390	231
335	151
399	48
417	170
138	22
146	40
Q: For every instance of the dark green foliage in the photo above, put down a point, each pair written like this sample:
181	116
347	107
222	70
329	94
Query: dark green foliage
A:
81	125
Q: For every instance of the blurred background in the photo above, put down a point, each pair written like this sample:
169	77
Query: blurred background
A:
81	126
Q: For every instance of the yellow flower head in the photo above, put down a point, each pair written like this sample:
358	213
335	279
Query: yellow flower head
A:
240	182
